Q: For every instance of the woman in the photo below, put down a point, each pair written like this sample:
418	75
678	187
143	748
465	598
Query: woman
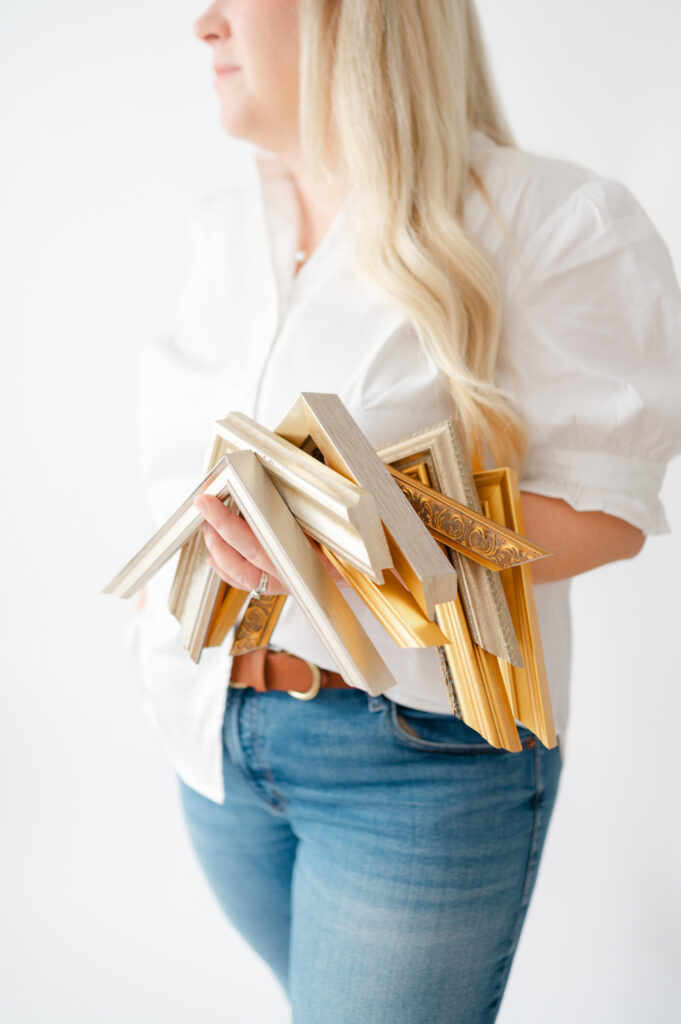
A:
397	249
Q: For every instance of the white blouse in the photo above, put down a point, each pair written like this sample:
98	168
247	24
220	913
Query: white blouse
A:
591	351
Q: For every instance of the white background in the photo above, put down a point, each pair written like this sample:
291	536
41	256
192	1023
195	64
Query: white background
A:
110	133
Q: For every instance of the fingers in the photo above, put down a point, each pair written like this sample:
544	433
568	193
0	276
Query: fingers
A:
232	567
236	554
233	529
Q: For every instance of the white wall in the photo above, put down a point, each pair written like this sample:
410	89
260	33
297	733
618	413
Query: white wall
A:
110	133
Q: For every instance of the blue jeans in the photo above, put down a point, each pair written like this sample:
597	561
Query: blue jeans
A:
379	859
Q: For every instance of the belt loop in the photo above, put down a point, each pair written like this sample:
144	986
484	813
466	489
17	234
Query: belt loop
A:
376	703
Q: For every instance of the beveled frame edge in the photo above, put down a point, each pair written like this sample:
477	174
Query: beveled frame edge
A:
428	573
345	524
285	543
442	448
228	608
476	680
527	686
196	594
392	605
169	537
330	508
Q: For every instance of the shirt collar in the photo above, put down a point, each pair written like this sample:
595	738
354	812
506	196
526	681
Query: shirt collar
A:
281	216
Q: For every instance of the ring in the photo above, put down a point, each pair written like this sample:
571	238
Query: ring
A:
262	585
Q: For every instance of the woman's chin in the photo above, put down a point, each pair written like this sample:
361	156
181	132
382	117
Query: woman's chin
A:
238	127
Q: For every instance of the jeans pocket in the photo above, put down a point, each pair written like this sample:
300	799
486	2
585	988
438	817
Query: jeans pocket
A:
441	733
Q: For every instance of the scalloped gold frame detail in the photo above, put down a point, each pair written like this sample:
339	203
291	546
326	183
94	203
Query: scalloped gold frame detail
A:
466	531
258	622
438	457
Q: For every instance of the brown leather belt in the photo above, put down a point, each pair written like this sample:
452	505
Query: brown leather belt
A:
265	670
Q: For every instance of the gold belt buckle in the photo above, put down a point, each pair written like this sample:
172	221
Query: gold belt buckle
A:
315	686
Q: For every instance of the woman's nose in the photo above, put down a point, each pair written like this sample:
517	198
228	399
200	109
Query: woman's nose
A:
212	24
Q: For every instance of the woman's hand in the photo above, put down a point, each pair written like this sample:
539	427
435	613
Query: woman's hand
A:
237	556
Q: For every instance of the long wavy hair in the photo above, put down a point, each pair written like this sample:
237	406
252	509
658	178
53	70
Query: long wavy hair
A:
390	91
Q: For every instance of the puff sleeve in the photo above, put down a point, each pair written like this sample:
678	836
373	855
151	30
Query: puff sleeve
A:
592	356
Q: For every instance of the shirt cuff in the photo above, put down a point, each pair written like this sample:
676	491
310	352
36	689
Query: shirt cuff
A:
602	482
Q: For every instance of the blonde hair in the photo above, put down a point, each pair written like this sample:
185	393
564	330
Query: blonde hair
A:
390	91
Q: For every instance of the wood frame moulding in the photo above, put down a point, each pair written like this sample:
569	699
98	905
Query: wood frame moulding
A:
475	681
427	572
471	533
527	686
392	605
258	622
438	457
285	543
330	508
170	536
327	506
